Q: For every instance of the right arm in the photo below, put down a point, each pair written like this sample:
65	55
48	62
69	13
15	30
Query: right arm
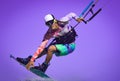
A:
42	46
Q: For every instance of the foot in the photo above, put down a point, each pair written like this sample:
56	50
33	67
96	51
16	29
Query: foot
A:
24	60
42	67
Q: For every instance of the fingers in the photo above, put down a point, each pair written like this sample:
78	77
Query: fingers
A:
80	19
29	65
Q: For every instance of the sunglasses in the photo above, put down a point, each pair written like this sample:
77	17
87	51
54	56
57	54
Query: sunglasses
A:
49	23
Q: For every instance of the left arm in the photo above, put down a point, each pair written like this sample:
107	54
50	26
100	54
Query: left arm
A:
71	16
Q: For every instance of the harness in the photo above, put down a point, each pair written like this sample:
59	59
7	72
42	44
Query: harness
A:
67	38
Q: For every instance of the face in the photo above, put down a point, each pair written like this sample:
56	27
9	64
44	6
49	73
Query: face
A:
53	24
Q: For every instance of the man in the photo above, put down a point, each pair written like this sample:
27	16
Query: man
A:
63	44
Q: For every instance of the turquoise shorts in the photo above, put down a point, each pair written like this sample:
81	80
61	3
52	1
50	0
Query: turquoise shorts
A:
64	49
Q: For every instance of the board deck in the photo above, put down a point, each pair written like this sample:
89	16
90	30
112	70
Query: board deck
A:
33	70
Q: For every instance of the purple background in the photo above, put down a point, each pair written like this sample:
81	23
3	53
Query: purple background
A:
96	57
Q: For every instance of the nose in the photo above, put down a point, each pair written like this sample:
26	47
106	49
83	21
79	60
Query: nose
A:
54	26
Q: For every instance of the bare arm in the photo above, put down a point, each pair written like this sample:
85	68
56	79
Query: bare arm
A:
46	38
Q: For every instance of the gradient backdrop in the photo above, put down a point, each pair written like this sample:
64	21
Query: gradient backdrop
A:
97	55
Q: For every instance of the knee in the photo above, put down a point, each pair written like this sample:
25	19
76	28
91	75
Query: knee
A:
52	48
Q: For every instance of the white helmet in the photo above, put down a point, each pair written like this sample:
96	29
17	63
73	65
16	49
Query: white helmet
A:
49	17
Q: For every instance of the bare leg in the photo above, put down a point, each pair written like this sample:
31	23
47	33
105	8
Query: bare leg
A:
50	52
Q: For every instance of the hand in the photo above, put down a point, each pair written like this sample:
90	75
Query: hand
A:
29	65
79	19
